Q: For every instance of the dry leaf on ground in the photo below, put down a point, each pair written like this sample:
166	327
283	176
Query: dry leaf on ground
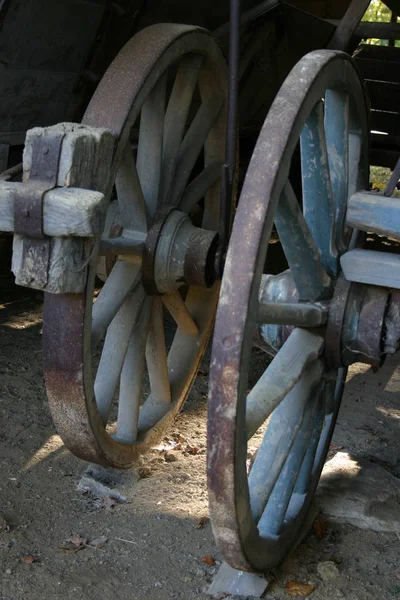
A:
144	472
28	559
98	542
191	449
74	544
295	588
209	560
320	527
202	522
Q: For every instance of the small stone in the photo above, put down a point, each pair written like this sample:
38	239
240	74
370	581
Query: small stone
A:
171	457
8	571
327	570
359	492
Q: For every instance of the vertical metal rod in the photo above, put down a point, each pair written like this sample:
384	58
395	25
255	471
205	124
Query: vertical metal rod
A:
229	168
234	43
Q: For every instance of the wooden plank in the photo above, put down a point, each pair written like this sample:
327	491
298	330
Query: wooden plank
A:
378	70
386	122
380	31
345	30
372	267
66	211
374	212
384	95
375	30
85	161
386	53
311	279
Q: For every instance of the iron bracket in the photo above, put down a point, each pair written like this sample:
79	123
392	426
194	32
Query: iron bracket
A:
28	209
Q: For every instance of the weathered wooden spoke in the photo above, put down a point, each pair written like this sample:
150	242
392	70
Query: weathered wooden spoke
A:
197	189
311	279
317	189
131	201
179	311
271	520
176	117
114	351
193	143
337	129
257	513
150	146
168	89
130	391
282	374
122	280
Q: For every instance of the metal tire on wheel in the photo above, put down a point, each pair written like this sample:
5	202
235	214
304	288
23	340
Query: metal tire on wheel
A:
164	99
257	511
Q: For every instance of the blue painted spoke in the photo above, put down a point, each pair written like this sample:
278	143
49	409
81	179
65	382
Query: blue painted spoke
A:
337	142
311	279
317	191
304	478
272	518
281	432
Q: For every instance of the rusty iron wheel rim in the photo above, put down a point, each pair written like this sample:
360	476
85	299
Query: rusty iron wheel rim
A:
240	542
135	74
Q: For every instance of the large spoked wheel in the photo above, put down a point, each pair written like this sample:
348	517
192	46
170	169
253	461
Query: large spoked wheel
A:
257	512
116	375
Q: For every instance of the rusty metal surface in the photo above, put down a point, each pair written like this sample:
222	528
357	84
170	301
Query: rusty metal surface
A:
28	209
150	249
369	344
392	324
333	335
199	267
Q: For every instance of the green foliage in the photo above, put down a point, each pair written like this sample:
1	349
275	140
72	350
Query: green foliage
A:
378	11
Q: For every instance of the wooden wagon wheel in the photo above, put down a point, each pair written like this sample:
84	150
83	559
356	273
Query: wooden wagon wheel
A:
164	99
257	515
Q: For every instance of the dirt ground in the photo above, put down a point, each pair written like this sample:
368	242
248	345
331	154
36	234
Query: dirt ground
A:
153	546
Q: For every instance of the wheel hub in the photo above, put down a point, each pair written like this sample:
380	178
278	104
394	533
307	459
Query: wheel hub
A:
178	253
363	323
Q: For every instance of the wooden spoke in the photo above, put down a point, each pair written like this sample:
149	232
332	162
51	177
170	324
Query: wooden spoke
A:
114	351
302	348
176	117
196	190
178	309
150	145
131	201
193	143
337	141
130	390
317	191
156	356
355	181
123	278
274	513
299	315
311	279
159	401
305	475
278	440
